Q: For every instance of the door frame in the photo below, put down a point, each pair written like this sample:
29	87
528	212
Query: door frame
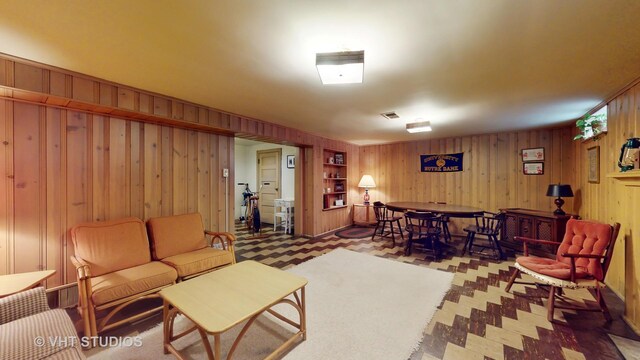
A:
258	180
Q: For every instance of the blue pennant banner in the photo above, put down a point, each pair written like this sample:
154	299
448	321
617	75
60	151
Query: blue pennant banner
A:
441	162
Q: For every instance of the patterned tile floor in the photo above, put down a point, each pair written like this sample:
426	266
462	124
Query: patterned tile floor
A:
477	318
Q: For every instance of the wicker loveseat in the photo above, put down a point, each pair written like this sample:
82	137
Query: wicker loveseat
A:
29	329
114	269
115	266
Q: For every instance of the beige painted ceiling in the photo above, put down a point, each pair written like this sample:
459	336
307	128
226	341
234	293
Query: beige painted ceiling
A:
468	66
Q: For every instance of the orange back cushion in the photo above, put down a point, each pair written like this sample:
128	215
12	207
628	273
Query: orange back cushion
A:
113	245
585	237
177	234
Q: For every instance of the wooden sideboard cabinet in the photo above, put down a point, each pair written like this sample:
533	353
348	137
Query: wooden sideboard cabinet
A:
544	225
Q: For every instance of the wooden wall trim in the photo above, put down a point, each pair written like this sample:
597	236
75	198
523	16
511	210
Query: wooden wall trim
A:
43	83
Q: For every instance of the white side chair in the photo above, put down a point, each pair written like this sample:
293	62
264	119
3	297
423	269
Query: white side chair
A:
283	209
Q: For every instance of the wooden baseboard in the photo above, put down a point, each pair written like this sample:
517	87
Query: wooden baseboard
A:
633	326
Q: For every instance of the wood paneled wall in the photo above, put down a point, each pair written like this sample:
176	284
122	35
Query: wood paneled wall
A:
66	167
492	177
76	148
611	201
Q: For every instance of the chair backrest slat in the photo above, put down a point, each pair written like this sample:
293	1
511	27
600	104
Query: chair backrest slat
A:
421	223
490	222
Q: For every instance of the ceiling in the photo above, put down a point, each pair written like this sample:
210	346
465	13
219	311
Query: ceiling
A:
468	66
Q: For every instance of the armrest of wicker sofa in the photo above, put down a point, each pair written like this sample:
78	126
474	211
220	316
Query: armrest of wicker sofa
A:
23	304
224	238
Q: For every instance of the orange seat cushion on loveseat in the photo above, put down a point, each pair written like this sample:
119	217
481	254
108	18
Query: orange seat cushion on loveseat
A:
128	282
175	235
198	261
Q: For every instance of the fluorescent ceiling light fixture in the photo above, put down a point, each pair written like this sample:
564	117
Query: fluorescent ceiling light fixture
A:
421	126
345	67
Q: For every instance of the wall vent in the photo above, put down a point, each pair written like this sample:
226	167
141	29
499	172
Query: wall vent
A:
390	115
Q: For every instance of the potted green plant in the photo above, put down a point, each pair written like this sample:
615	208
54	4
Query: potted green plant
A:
590	125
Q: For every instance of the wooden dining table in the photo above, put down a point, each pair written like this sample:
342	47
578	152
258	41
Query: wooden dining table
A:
458	211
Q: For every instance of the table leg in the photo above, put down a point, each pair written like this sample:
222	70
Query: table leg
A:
216	345
303	319
165	322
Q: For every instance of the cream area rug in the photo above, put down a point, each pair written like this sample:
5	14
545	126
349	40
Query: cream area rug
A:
358	307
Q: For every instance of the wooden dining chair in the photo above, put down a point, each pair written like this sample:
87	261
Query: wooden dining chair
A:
444	222
385	216
423	228
487	227
582	261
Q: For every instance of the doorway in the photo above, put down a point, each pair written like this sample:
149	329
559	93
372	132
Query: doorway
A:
268	176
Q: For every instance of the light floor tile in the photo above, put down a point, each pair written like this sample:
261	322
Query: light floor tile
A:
505	337
490	348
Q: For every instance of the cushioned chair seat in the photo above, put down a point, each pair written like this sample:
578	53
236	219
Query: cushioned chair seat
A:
17	337
123	283
551	267
198	261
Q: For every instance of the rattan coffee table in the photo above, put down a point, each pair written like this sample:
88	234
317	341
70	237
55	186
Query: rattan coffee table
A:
219	300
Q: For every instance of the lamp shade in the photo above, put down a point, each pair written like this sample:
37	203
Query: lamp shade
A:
366	182
560	190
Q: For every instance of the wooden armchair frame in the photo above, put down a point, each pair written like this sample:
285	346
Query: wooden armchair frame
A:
87	309
556	285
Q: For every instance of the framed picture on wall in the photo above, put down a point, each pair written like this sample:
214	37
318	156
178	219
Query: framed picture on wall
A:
339	159
533	168
534	154
291	161
593	156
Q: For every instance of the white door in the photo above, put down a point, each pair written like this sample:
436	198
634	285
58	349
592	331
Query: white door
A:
269	163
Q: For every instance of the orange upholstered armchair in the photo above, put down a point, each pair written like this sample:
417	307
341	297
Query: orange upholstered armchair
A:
582	261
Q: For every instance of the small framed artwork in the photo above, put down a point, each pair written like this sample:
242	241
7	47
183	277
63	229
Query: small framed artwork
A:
535	154
593	155
339	202
339	159
291	162
533	168
339	187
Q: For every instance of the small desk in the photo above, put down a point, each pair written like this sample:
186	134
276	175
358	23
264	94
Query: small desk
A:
15	283
219	300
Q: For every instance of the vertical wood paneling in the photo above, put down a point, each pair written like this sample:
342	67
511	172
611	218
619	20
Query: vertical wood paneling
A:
611	201
492	177
100	169
78	164
118	165
136	149
6	184
166	171
152	171
179	152
27	192
155	169
55	204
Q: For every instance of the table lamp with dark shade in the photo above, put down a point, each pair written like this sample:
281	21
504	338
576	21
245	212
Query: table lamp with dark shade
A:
559	191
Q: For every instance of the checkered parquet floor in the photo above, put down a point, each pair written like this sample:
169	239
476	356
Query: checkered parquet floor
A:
477	318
